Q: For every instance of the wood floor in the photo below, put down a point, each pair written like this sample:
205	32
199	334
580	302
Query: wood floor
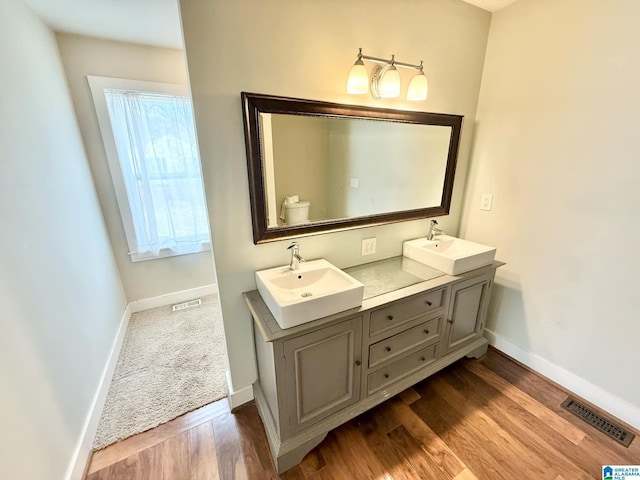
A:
478	419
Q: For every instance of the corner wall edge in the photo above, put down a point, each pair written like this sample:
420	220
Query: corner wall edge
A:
238	397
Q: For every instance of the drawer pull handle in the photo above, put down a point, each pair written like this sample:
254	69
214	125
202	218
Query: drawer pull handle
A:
388	349
386	375
422	359
429	303
426	332
389	317
358	363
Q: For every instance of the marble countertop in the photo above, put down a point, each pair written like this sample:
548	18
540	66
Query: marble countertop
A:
391	274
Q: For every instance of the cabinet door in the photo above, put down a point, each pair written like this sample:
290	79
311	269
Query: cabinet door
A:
323	370
467	310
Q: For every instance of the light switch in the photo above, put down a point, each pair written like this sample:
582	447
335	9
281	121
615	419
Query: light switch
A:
486	201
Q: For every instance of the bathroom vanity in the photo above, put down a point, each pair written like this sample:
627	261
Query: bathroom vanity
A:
414	321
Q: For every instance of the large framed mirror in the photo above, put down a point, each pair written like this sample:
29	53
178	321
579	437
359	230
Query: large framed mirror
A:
319	167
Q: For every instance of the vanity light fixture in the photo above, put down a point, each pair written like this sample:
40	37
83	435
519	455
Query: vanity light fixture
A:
385	79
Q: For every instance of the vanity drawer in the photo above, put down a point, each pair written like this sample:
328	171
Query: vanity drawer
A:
401	368
402	342
389	317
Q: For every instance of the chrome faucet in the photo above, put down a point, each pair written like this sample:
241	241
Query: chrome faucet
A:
296	259
433	230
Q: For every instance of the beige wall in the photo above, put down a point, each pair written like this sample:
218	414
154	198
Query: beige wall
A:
305	50
84	56
60	294
396	167
301	174
557	144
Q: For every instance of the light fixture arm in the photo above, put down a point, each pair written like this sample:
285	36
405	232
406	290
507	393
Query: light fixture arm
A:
391	61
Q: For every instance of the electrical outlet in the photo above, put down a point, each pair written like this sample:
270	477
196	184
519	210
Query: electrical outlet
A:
369	246
354	183
485	201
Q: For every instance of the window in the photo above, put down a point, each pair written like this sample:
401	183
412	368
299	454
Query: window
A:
151	147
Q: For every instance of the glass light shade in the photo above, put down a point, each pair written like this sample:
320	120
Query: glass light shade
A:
389	84
418	88
358	81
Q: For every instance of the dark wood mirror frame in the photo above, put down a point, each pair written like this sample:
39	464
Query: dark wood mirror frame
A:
254	104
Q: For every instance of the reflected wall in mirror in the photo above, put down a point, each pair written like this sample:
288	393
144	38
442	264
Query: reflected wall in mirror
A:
318	166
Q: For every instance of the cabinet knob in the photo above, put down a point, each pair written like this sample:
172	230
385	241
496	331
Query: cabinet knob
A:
386	375
426	332
388	349
389	317
429	303
422	359
450	321
358	363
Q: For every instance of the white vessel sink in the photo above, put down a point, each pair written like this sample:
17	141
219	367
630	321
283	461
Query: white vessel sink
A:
315	290
449	254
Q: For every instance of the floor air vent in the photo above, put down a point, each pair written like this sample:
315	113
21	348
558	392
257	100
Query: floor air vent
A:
594	419
189	304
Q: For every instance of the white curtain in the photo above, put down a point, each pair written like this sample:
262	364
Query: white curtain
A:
156	143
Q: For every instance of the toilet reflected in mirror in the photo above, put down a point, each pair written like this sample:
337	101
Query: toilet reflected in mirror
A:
296	213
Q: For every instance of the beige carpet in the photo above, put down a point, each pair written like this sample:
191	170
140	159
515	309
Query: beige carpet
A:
170	363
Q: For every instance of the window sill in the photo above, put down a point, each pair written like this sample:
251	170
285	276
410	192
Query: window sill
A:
168	252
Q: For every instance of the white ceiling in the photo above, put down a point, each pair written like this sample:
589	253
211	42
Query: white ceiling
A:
491	5
151	22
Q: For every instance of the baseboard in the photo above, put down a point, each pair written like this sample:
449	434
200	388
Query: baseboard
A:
238	397
171	298
81	456
592	393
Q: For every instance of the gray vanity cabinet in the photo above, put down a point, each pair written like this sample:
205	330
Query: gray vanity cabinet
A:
467	311
322	369
316	376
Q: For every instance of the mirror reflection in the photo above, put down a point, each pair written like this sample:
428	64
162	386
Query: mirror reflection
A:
319	166
325	168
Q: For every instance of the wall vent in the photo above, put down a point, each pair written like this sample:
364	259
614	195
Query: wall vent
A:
606	426
189	304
